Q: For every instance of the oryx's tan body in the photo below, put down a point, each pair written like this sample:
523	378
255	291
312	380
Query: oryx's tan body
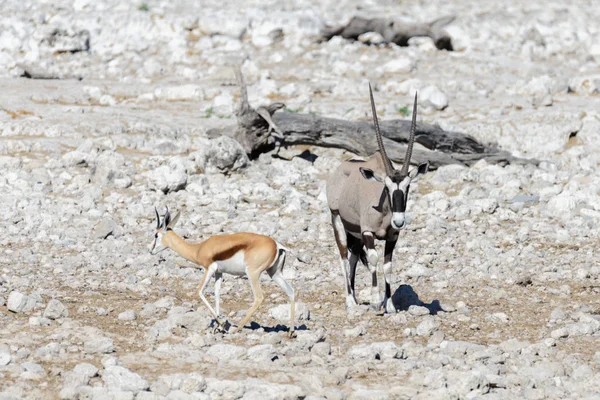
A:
359	200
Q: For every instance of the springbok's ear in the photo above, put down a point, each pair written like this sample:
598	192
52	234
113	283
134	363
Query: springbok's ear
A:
420	170
174	220
369	175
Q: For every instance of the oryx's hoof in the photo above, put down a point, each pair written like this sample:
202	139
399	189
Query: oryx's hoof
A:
388	307
351	301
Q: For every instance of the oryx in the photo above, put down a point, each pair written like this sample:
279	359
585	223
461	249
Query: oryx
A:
367	199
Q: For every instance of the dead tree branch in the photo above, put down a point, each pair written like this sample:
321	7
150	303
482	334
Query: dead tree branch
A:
258	130
395	31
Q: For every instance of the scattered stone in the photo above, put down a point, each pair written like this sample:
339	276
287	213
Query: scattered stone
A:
221	155
226	351
129	315
428	326
281	312
418	310
32	371
20	303
117	377
98	345
5	356
55	310
104	229
431	96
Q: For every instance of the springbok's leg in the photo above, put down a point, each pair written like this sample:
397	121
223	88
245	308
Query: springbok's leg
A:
342	243
372	258
276	273
387	274
210	271
289	290
254	278
218	280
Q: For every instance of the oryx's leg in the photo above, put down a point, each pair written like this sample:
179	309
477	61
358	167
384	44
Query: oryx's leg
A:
210	271
372	258
218	280
387	274
342	242
355	247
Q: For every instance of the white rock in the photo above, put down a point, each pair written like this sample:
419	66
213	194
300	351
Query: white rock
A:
431	96
80	375
589	84
32	371
371	38
226	352
5	356
262	353
222	154
427	326
222	105
282	312
55	309
180	93
98	345
120	378
169	178
19	303
399	65
418	310
107	100
129	315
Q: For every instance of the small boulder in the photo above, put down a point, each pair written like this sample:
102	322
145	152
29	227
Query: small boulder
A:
55	310
120	378
20	303
282	312
221	155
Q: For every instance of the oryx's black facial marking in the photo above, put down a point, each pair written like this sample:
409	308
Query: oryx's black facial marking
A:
398	201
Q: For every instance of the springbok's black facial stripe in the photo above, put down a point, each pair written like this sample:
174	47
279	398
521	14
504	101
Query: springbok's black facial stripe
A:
398	201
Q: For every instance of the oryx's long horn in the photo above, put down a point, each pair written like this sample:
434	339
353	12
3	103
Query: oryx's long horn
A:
389	168
411	139
157	218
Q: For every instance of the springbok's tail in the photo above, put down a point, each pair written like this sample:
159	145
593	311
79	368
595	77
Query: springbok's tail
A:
288	250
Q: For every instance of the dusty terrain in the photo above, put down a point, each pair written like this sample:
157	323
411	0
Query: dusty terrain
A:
496	276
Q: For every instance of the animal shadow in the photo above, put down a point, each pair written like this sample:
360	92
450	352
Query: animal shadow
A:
278	328
405	296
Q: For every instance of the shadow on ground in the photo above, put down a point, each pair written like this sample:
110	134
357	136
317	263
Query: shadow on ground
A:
405	296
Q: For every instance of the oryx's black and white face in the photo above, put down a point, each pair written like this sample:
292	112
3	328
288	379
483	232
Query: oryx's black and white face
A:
396	187
157	245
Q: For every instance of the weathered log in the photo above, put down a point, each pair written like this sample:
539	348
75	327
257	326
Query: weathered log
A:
395	31
258	131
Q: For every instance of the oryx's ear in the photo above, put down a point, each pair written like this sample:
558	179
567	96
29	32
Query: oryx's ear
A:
369	175
174	220
420	170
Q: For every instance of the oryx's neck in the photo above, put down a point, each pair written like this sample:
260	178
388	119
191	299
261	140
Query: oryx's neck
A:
181	247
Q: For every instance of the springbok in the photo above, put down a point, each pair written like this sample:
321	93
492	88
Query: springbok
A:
367	199
236	254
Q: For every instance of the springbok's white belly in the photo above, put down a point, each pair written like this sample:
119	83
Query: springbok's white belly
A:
234	265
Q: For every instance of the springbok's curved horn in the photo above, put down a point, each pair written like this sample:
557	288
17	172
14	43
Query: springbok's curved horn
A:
389	168
157	218
167	218
411	139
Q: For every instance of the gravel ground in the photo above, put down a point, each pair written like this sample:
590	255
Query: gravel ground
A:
496	277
